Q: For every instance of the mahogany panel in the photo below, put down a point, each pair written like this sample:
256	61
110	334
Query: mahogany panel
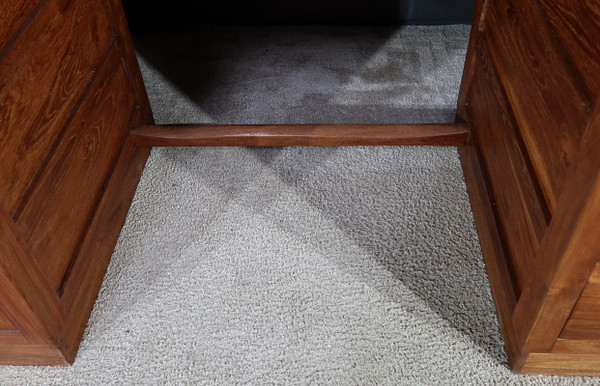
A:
12	337
568	253
464	95
492	245
71	184
550	107
562	364
83	283
576	23
5	323
119	21
13	18
43	76
31	355
25	294
517	197
584	322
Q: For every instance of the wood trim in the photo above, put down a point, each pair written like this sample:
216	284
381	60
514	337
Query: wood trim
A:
568	253
462	112
88	270
31	355
302	135
493	249
20	269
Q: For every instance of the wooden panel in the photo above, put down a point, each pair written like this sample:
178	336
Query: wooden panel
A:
492	247
13	16
43	76
568	253
516	194
31	355
584	322
562	364
84	282
25	293
71	184
464	95
302	135
12	337
550	108
577	26
129	57
5	323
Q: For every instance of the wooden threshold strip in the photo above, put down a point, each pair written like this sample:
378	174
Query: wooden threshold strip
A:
455	134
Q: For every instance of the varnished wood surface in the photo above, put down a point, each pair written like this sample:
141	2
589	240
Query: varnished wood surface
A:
13	18
517	197
576	24
44	74
464	94
493	247
134	76
83	283
568	253
584	321
536	127
68	171
5	322
544	94
72	179
301	135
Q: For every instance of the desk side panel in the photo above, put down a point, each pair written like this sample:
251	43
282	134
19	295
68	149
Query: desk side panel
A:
68	170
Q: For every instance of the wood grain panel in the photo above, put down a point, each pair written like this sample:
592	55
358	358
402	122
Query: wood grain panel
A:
576	23
12	18
25	293
43	76
5	323
521	213
562	364
584	322
492	245
83	283
550	108
71	184
568	253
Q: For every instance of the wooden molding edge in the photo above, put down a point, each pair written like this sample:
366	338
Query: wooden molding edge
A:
455	134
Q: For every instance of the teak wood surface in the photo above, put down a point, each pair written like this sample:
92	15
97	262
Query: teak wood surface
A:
77	129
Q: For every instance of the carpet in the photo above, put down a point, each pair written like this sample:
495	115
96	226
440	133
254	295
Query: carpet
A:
297	265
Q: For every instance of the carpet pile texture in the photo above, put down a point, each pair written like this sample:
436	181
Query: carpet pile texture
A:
297	265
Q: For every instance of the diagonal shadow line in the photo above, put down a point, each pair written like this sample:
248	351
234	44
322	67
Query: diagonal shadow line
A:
364	216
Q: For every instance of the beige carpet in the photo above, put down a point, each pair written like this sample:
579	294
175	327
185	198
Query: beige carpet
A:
345	266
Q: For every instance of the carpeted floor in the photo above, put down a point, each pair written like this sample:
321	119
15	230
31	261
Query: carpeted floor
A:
297	265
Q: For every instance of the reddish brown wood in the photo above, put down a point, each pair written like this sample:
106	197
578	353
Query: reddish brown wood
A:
583	323
13	19
576	24
72	180
131	64
31	355
84	282
25	289
549	106
492	247
464	95
5	323
43	77
530	111
301	135
517	197
568	253
68	173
